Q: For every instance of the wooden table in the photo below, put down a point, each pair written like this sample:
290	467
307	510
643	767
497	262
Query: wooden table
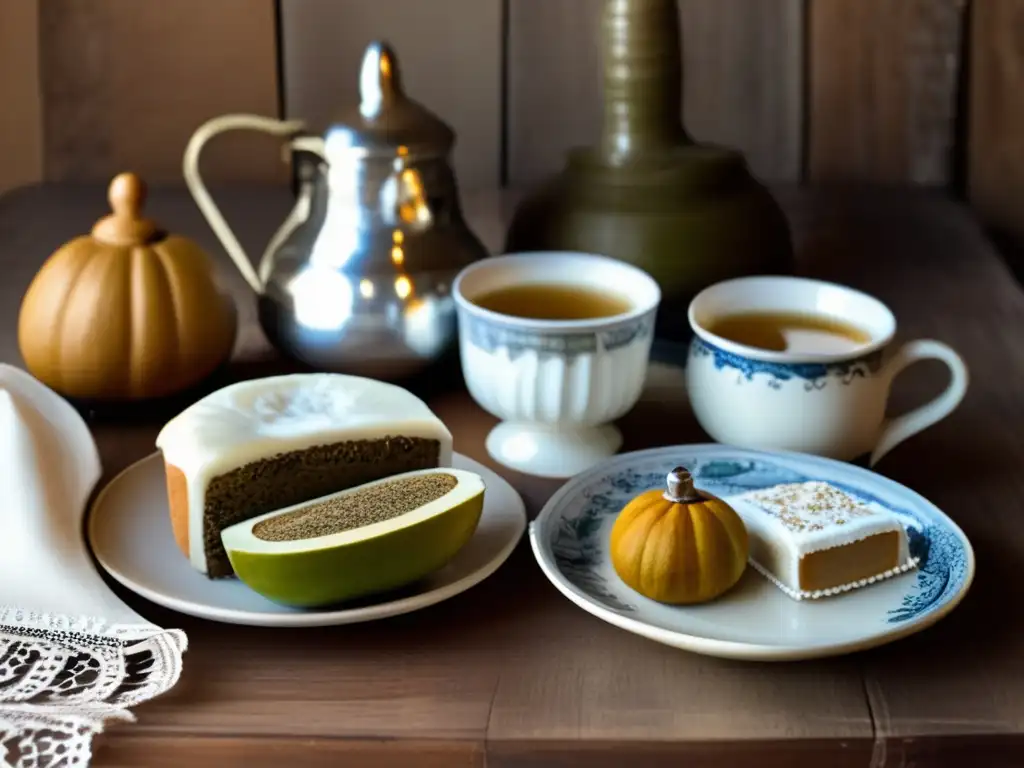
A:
510	673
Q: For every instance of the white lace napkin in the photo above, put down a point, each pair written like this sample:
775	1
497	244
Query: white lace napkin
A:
72	655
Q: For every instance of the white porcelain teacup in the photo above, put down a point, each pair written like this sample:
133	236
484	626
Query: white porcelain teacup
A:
817	399
556	384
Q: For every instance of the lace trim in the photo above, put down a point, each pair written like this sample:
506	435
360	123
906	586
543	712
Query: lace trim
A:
63	677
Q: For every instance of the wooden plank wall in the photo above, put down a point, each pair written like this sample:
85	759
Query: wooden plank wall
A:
883	89
818	90
21	126
449	53
125	83
742	67
995	134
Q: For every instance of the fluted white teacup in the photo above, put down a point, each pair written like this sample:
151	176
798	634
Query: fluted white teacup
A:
556	385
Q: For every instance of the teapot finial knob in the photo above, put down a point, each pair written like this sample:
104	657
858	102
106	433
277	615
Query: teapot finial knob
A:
127	195
126	224
380	78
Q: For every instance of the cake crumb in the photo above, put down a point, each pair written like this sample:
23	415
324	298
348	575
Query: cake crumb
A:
380	502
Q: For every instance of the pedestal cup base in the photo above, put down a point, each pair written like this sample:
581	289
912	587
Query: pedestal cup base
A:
549	451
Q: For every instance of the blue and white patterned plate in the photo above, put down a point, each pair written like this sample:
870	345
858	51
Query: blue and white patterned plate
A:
755	620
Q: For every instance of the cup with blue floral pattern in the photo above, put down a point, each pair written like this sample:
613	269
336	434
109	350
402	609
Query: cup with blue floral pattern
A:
811	394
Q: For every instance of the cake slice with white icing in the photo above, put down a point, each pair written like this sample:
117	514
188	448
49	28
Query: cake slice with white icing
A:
264	444
813	539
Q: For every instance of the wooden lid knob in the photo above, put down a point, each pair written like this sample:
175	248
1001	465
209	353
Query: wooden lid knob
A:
126	225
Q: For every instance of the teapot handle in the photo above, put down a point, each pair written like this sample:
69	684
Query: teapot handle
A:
209	209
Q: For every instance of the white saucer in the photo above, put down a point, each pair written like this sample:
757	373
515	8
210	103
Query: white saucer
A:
755	620
129	531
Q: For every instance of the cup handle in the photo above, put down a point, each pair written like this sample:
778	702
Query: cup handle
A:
209	209
896	430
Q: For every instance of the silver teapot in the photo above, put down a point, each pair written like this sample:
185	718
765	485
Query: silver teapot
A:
358	277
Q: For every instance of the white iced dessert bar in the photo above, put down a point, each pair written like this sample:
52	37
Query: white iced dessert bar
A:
813	539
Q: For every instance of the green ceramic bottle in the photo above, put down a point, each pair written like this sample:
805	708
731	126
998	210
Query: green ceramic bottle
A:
690	214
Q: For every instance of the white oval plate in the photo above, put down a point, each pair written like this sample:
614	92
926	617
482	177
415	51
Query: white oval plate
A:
129	531
755	620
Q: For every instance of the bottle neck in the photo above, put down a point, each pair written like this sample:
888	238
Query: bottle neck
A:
643	78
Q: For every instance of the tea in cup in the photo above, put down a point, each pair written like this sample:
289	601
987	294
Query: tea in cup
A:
795	364
556	345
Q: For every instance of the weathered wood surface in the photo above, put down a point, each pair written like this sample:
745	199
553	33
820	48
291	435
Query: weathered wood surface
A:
930	262
743	75
124	85
512	670
450	53
883	89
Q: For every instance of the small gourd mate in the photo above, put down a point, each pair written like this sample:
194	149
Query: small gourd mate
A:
679	545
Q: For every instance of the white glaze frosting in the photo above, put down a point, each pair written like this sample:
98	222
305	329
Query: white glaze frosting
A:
255	419
787	522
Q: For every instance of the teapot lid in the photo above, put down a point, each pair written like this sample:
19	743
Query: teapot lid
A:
387	121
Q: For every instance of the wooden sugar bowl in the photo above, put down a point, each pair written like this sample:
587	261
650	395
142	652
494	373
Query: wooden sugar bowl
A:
127	312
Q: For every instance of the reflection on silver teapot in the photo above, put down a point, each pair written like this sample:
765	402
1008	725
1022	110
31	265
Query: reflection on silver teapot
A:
358	277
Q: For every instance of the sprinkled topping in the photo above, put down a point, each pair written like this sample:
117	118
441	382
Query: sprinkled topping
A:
363	506
812	506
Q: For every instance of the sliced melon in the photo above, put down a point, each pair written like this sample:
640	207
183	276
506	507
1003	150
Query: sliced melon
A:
368	539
